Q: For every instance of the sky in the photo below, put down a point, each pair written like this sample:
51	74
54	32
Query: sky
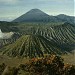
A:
11	9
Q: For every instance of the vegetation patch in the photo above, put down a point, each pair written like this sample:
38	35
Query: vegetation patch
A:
49	65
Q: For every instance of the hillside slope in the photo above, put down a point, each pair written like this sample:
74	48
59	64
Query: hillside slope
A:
32	46
62	35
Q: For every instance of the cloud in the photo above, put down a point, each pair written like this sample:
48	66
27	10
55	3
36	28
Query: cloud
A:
8	1
29	1
58	0
10	9
5	35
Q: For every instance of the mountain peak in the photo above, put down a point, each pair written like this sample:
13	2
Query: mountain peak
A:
34	15
35	9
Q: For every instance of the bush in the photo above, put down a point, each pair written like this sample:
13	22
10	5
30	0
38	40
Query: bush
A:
52	65
10	71
2	67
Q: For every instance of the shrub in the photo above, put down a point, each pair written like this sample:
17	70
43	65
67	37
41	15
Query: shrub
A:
51	65
2	67
10	71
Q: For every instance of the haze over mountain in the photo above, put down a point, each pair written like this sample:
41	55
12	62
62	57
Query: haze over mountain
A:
36	15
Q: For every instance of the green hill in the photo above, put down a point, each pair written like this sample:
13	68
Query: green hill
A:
32	46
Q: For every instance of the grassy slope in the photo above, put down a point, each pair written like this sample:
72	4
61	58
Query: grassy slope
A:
12	61
69	58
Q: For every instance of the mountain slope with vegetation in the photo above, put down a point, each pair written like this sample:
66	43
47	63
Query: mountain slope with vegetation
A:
31	46
60	34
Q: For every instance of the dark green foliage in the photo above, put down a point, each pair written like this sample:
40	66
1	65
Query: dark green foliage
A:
10	71
2	67
8	26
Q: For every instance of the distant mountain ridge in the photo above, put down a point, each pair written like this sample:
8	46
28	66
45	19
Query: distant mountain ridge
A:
66	18
36	15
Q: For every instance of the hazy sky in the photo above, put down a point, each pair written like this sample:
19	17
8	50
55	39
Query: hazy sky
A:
11	9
